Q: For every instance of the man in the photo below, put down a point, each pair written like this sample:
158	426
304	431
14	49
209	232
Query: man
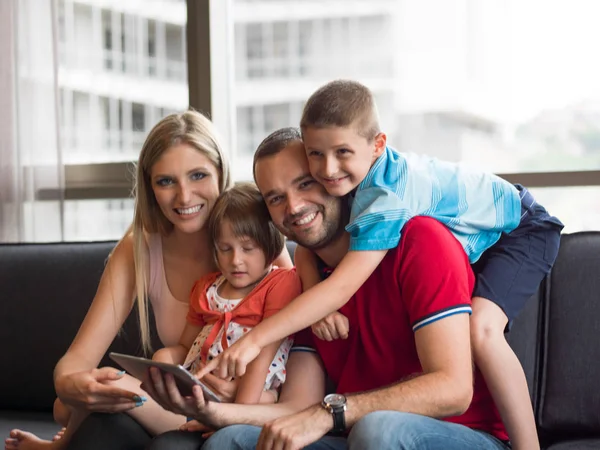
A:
406	362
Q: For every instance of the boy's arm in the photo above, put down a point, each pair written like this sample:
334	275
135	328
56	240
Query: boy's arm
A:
304	386
308	308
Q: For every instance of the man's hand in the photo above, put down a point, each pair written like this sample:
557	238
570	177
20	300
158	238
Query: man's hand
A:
162	388
333	326
233	361
296	431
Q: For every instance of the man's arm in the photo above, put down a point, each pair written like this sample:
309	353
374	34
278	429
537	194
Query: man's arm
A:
445	388
304	386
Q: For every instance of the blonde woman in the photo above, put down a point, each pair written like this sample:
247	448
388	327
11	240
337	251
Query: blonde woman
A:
180	173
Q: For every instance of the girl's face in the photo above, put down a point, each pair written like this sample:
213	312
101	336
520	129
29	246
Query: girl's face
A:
186	185
240	259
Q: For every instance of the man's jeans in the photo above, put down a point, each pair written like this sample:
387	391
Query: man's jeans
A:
380	430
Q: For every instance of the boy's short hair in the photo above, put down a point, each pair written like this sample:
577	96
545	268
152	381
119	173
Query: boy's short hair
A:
342	103
247	212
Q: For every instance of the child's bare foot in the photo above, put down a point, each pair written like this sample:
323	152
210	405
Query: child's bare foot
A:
59	435
193	425
23	440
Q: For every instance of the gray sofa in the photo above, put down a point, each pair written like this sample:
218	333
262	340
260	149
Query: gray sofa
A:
46	289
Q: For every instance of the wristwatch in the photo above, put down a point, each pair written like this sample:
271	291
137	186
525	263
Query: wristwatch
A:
336	405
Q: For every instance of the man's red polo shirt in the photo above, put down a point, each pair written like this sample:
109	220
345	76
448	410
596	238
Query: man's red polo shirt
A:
425	279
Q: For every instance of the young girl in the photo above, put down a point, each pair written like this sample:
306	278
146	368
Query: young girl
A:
226	305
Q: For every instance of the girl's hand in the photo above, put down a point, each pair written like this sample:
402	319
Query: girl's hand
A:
93	391
333	326
233	361
225	389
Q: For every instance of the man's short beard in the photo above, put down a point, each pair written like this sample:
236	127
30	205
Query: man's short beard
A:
331	235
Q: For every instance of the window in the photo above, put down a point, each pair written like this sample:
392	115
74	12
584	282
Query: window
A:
468	84
106	120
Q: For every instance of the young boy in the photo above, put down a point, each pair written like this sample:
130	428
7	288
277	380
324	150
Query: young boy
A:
347	153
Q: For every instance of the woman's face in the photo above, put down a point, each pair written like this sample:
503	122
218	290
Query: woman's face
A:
186	185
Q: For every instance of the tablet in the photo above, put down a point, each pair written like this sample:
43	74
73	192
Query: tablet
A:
138	367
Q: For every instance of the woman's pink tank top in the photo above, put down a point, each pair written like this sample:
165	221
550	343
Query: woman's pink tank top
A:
169	313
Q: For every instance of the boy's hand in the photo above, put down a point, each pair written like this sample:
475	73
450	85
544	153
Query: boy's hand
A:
233	361
333	326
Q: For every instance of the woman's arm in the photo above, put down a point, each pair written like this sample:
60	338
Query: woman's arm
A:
75	375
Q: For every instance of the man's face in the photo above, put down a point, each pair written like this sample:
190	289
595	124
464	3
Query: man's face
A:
299	206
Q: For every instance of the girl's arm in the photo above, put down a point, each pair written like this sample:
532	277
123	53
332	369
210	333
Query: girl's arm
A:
308	308
76	378
251	386
176	354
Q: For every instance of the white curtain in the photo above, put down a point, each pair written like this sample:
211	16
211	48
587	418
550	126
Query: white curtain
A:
31	173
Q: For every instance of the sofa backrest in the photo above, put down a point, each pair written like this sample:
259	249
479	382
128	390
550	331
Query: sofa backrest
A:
569	393
45	292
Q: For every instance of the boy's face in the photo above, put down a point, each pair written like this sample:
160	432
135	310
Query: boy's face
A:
340	158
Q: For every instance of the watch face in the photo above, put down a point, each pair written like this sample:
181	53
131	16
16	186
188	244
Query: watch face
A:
335	400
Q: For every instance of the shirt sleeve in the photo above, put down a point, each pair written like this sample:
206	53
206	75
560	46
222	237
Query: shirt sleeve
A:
376	219
198	294
286	286
434	273
304	341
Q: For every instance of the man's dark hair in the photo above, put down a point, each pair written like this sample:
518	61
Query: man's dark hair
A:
274	143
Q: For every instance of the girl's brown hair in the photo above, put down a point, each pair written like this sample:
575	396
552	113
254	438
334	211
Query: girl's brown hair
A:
246	211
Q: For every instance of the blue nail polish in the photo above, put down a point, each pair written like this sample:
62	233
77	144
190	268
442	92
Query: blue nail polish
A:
138	404
137	398
144	399
122	372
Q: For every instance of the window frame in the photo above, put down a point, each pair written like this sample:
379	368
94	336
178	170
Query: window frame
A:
205	76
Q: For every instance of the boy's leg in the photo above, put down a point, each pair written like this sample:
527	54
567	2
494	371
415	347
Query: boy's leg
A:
391	430
503	373
508	274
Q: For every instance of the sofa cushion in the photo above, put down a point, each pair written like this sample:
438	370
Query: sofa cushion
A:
579	444
523	338
569	394
40	423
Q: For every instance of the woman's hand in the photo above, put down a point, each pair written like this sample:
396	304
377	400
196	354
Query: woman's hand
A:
94	391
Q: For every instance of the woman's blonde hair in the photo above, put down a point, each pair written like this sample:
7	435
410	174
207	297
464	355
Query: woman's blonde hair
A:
189	127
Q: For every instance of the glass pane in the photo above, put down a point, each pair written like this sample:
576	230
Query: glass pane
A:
112	65
577	207
490	83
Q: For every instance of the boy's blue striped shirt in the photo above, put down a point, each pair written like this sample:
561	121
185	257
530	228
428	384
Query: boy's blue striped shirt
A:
476	206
